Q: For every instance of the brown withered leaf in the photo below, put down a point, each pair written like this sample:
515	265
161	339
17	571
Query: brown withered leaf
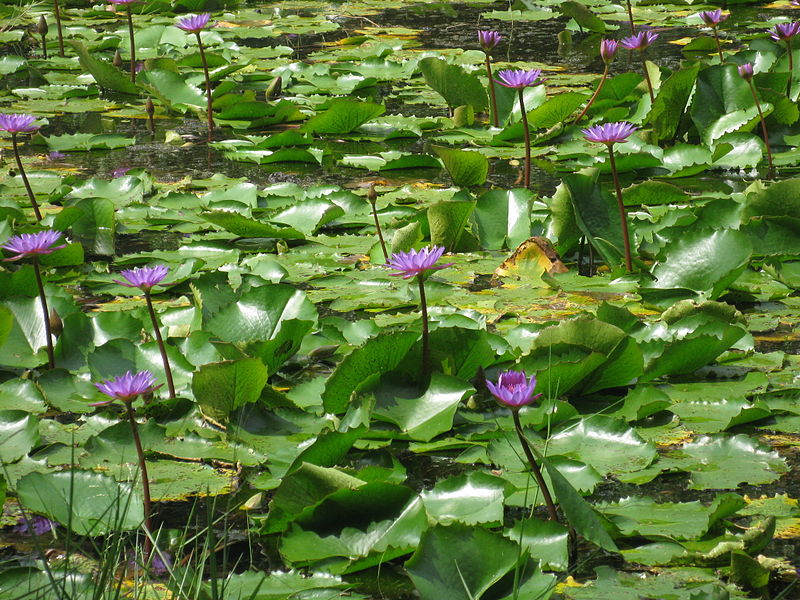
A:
532	257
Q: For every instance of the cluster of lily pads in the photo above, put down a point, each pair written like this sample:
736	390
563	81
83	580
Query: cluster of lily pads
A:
567	405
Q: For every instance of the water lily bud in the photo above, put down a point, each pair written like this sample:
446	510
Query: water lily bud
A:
41	27
56	324
117	62
372	195
746	71
608	50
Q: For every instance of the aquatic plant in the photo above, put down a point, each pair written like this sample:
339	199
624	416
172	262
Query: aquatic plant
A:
488	41
712	18
127	388
57	13
515	390
16	124
642	41
610	134
195	24
608	50
418	264
145	278
519	80
34	245
785	32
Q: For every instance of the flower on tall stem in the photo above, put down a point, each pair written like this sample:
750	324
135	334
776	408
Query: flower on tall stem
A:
519	80
608	50
16	124
515	390
372	197
746	73
127	388
127	5
785	32
195	24
34	245
610	134
146	278
641	41
418	264
488	40
712	18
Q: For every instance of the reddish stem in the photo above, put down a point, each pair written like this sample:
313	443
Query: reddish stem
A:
133	45
594	96
537	472
492	96
764	132
208	86
161	347
527	133
57	12
51	357
647	78
622	215
425	367
719	47
148	546
25	181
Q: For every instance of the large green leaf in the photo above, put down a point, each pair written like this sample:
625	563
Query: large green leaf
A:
470	498
89	503
466	168
364	366
454	84
555	110
440	568
105	74
259	313
97	225
502	218
343	116
779	199
248	227
172	89
703	261
429	415
220	388
580	514
670	104
722	103
19	433
585	18
447	220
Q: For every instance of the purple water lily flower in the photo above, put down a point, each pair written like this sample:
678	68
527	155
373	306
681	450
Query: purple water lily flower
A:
123	2
746	71
514	389
609	133
712	18
639	41
784	31
32	244
38	525
56	155
143	278
120	171
608	50
519	79
18	123
127	387
194	23
489	39
413	263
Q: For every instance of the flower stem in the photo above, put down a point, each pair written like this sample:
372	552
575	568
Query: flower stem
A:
622	215
133	45
647	78
791	68
51	358
208	86
492	96
630	18
719	47
148	523
527	133
537	473
25	181
57	12
161	347
372	196
594	96
764	132
425	367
